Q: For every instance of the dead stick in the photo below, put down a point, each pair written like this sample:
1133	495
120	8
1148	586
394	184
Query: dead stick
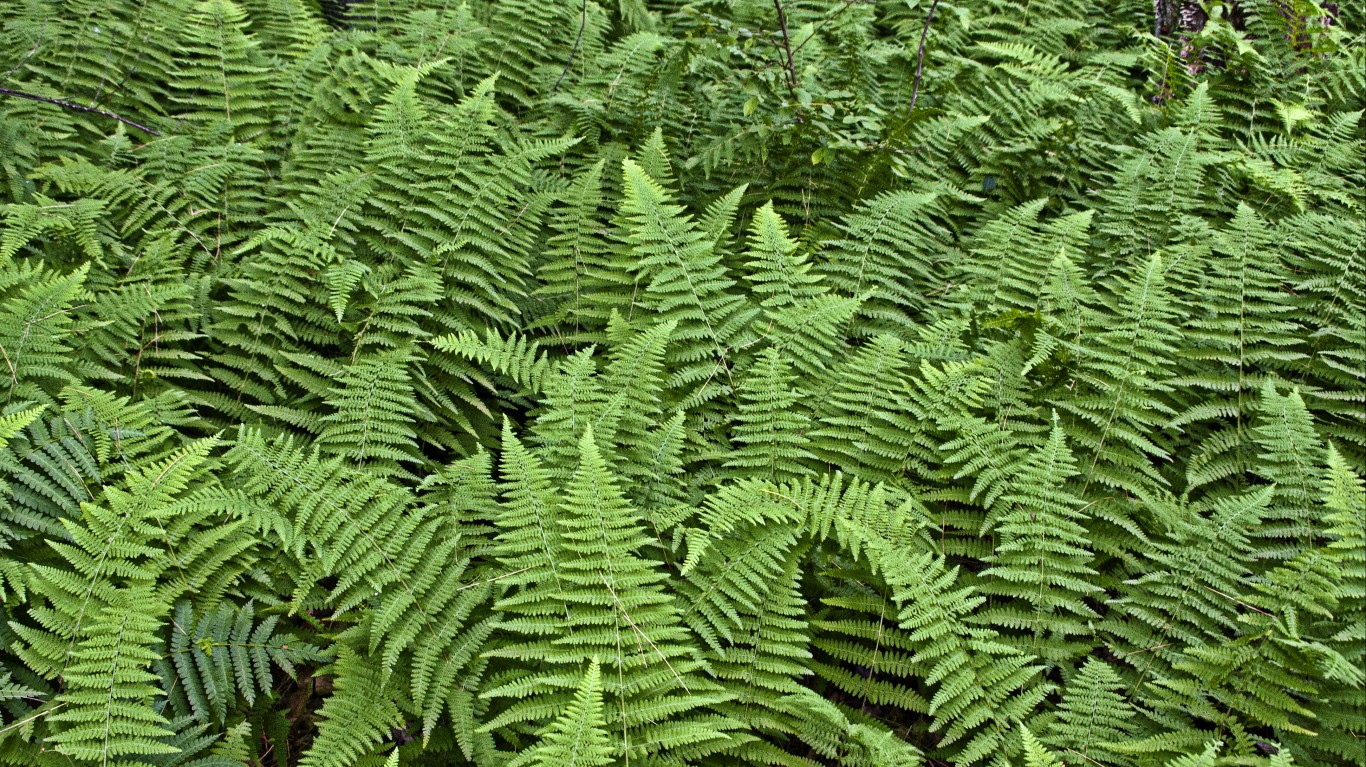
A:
583	22
787	46
920	58
76	108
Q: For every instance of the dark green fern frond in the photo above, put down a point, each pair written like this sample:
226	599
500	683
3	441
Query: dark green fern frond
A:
1092	714
578	269
220	73
35	327
1043	558
1292	458
372	422
226	654
893	247
355	718
1123	370
770	426
853	420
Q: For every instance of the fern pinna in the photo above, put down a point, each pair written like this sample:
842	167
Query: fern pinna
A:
682	382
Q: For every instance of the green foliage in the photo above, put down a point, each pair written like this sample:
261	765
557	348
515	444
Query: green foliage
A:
225	653
682	382
577	737
105	712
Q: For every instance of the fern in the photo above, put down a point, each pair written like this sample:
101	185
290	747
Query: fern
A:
1043	559
577	737
34	329
118	545
684	283
220	75
1121	372
105	712
602	599
681	383
1093	713
224	654
869	256
398	562
355	718
369	424
769	429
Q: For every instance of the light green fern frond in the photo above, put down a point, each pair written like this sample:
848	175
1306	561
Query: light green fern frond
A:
577	738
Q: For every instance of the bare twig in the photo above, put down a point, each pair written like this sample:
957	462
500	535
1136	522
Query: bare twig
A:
14	377
1239	601
920	57
1147	649
583	22
76	108
491	580
22	722
1084	756
787	46
636	628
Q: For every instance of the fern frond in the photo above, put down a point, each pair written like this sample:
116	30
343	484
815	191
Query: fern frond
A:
354	718
107	707
577	738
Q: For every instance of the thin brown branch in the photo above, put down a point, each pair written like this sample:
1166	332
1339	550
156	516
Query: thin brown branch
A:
1147	649
22	722
1087	758
642	634
491	580
920	57
13	376
76	108
1232	598
787	47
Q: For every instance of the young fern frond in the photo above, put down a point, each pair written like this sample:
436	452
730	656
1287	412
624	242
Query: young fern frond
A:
578	737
